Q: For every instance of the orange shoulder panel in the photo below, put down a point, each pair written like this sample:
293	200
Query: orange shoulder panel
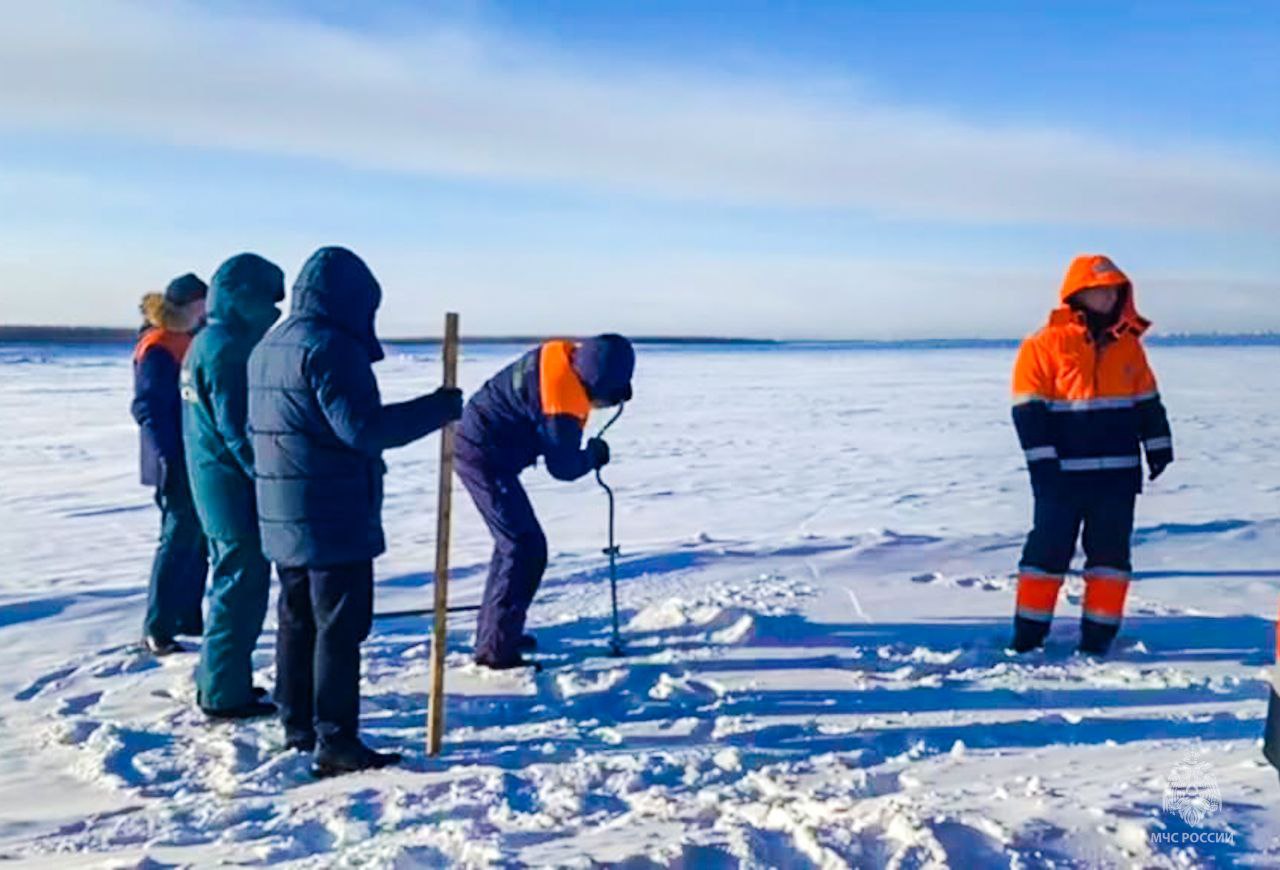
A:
1145	376
176	343
1031	381
562	389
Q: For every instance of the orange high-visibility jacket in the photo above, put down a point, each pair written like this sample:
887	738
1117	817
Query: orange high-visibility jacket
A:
1085	405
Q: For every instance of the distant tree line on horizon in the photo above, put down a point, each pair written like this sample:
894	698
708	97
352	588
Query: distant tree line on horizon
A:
126	336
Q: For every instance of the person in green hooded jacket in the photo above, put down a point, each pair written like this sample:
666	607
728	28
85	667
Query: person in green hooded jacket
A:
244	295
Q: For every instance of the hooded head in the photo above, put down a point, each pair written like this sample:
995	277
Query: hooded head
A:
1095	270
185	289
180	308
605	365
244	294
337	287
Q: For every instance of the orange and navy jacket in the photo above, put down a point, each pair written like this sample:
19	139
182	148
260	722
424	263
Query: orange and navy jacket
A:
157	406
1083	405
537	406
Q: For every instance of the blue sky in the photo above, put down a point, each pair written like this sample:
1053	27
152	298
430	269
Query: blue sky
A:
815	169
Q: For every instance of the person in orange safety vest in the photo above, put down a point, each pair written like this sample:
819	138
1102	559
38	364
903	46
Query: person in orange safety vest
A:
178	570
1085	406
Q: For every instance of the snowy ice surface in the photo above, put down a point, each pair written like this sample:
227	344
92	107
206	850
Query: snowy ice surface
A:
817	580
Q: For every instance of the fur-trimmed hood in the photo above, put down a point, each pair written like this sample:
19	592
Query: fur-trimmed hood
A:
163	314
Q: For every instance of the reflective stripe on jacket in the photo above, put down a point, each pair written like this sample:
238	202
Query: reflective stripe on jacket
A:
1089	405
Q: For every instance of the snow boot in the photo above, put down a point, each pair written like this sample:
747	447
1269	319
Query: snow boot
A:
1096	637
1028	634
161	648
350	758
508	665
255	709
301	743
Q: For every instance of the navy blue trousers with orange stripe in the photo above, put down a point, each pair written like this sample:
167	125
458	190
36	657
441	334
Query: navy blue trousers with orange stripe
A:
1106	516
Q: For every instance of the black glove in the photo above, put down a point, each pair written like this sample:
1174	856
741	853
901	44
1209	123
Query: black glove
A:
449	402
597	453
1157	462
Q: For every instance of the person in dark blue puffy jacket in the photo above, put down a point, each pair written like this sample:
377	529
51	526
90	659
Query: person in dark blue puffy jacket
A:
535	407
318	429
178	570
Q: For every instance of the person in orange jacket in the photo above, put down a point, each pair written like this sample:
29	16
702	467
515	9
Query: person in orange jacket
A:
178	571
1085	405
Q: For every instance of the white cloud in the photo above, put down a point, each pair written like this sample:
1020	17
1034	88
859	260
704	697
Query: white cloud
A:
454	105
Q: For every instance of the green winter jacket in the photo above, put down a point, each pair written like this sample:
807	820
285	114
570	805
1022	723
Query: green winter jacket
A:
243	298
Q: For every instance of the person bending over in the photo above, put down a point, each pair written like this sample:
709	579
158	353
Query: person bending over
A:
535	407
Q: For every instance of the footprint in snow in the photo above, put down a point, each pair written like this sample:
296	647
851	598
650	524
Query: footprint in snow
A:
41	683
79	704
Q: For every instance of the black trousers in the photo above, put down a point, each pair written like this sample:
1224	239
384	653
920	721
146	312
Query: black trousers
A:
325	614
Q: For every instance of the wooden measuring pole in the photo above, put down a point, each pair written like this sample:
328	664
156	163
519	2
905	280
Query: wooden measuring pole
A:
444	507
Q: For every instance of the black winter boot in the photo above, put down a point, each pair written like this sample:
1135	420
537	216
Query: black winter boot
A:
1028	634
255	709
508	664
1096	637
301	741
350	758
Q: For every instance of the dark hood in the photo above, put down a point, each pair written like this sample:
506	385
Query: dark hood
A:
185	289
606	364
336	286
244	293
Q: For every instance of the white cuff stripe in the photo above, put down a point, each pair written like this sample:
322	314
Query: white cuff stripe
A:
1092	404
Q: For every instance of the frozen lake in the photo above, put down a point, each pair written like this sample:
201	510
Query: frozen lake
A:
819	547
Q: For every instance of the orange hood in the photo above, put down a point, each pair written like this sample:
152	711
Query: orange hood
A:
1097	270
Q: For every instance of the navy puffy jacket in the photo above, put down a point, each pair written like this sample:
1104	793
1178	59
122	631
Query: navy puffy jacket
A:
158	410
317	421
538	406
